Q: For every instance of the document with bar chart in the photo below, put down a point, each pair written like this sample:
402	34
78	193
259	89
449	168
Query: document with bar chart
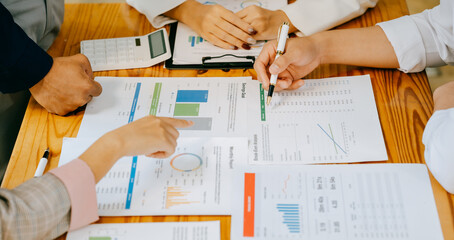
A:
217	106
329	120
143	231
196	180
190	48
318	202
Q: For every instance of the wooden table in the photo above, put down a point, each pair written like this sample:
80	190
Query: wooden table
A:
404	101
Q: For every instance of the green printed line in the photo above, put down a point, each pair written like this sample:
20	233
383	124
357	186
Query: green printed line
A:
99	238
155	100
332	136
262	103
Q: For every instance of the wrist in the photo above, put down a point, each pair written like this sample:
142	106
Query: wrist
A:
321	45
184	11
102	155
280	16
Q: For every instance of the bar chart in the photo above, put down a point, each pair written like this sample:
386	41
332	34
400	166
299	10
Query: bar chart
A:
193	40
290	216
195	180
360	201
176	196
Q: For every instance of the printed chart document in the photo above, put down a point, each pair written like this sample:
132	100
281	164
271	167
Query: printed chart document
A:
145	231
190	48
367	201
217	106
328	120
196	180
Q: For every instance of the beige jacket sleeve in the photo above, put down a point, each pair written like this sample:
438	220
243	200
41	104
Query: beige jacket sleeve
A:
153	10
312	16
37	209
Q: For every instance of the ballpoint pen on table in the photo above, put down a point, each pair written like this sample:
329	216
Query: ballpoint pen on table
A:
42	164
282	39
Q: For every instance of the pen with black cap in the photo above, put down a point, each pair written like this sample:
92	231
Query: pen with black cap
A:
42	164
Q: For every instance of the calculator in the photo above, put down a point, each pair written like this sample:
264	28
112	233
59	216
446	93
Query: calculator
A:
128	52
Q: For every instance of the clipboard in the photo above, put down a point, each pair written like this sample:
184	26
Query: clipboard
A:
208	62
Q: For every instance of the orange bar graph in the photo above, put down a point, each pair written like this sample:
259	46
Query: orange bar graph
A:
177	196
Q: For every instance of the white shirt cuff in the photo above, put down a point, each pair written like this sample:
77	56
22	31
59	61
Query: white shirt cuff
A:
404	36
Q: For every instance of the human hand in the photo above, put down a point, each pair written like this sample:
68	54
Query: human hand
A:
300	58
265	22
215	24
68	85
152	136
444	96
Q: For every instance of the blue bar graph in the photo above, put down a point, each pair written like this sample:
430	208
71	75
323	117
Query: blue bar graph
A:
134	103
193	96
290	216
132	176
193	40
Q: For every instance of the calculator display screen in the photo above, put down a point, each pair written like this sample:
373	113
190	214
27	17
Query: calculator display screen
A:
157	44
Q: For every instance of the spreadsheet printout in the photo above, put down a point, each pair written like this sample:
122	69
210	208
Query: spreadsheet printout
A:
143	231
361	201
331	120
195	180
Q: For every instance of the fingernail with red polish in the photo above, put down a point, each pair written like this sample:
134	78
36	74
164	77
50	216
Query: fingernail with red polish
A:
246	46
251	41
252	31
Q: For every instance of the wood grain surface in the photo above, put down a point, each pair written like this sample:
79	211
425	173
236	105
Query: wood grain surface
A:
404	101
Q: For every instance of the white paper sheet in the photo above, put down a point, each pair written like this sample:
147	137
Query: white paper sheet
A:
145	231
217	106
196	180
190	48
367	201
327	120
330	120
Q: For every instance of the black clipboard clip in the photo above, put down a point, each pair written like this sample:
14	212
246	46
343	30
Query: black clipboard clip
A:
248	60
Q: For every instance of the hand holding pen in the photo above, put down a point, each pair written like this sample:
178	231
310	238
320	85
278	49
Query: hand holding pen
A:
282	40
301	57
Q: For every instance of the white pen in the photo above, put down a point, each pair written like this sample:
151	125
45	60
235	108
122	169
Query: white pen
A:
42	164
282	39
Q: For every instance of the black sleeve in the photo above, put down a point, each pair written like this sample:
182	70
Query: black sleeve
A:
22	62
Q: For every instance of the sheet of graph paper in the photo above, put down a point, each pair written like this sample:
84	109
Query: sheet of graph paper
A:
190	48
318	202
331	120
196	180
145	231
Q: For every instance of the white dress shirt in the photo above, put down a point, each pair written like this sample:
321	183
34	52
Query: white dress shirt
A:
439	141
421	40
308	16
